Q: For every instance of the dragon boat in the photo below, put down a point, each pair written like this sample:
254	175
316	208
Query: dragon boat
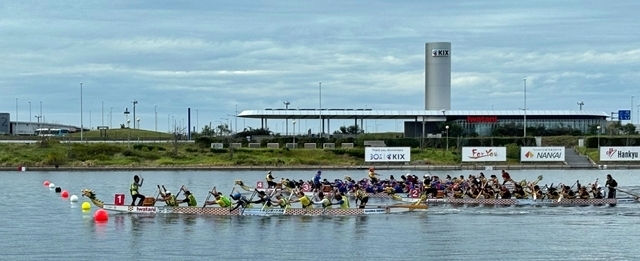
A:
148	207
327	190
525	202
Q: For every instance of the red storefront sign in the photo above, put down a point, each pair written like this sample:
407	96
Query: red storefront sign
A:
482	119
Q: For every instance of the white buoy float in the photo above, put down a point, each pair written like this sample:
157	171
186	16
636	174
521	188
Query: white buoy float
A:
73	198
51	185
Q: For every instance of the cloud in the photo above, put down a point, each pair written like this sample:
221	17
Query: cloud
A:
212	57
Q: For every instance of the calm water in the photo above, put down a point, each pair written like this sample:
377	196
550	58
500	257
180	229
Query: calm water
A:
39	225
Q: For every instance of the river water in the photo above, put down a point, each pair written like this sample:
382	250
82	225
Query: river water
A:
39	225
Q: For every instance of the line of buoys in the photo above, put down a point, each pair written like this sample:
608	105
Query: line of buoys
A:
46	183
51	185
58	190
64	194
101	215
73	198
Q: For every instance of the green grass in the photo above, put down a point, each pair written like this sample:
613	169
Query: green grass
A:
591	153
50	153
123	134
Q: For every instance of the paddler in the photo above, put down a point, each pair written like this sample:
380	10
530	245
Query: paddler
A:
343	201
262	199
189	198
169	199
583	193
373	176
611	185
506	177
303	199
519	192
505	193
135	185
324	202
220	199
361	195
281	201
270	182
596	191
241	201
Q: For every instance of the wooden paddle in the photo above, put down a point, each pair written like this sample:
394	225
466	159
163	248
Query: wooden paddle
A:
252	195
287	203
623	191
208	196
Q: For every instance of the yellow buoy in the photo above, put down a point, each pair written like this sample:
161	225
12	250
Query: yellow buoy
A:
86	206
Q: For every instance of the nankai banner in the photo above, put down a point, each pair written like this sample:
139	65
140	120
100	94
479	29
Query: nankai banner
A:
619	153
387	154
479	154
542	154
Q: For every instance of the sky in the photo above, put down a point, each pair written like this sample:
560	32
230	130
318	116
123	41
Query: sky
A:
216	56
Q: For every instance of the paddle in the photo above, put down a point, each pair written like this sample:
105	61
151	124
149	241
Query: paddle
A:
269	197
287	203
208	196
623	191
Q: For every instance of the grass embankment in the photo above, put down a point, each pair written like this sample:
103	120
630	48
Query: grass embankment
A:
122	134
591	153
50	153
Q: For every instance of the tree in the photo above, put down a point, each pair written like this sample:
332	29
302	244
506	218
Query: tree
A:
629	129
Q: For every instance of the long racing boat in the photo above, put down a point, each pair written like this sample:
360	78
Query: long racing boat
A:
219	211
548	202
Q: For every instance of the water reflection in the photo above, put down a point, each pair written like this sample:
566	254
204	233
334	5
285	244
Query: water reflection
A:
189	222
360	231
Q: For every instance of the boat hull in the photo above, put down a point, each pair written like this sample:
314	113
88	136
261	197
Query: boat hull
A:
568	202
216	211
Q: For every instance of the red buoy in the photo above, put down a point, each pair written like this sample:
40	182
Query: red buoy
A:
101	215
46	183
64	194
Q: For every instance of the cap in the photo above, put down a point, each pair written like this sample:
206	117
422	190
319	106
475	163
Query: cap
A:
269	172
167	192
426	176
236	196
319	172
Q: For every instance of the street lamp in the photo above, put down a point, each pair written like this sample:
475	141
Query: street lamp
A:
580	103
631	112
81	117
286	107
111	118
525	107
447	129
320	99
294	134
598	128
102	112
138	120
134	112
155	110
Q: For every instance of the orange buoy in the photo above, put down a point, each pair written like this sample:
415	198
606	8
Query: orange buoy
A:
101	215
64	194
46	183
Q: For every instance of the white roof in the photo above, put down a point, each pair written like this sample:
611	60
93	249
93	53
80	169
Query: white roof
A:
405	114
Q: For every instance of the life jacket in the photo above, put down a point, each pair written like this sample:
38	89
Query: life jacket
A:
192	200
306	202
226	201
283	203
345	203
134	188
326	203
171	201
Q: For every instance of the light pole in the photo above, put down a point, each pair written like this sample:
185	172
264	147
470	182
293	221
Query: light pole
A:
102	112
138	120
81	117
29	113
155	110
168	122
631	112
111	118
598	128
197	120
89	119
126	114
134	112
580	103
320	99
232	127
525	107
638	113
447	129
236	117
294	134
286	107
40	113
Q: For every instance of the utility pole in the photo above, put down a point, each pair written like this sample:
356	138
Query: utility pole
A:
155	110
81	118
134	113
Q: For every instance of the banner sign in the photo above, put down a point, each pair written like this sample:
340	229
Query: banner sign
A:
387	154
542	154
484	154
619	153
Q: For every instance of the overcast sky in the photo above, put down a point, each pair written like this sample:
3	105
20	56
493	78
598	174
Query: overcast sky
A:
214	55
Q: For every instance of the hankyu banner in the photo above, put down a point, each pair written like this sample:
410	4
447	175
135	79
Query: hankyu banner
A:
387	154
542	154
484	154
619	153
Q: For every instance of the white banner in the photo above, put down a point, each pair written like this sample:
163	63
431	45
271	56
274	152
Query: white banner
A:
619	153
542	154
479	154
387	154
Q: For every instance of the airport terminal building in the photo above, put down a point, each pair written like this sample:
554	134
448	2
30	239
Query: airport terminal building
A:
427	122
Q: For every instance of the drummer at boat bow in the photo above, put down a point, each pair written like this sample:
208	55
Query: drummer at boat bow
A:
189	198
361	195
135	185
270	182
611	185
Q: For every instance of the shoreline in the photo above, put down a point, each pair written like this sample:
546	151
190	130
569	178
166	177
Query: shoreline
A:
321	167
